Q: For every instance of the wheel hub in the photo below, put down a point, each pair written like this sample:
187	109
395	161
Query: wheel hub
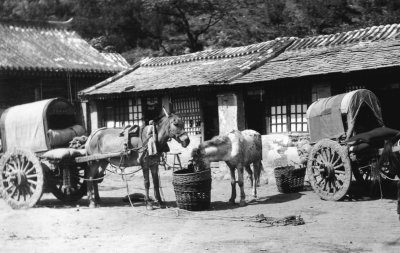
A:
328	171
18	177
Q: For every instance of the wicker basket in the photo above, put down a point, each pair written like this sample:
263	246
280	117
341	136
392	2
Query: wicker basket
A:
288	179
192	189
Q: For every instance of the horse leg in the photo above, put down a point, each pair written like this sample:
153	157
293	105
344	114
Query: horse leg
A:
145	169
250	172
240	182
96	193
100	173
90	189
233	183
156	184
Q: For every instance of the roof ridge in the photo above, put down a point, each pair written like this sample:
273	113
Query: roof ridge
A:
366	34
222	53
38	24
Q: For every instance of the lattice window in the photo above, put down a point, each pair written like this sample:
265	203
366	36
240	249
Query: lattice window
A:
288	114
122	112
278	119
188	108
298	120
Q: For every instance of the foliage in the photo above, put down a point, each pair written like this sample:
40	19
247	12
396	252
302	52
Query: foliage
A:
168	27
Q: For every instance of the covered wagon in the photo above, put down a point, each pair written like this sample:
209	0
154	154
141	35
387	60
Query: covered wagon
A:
347	134
35	139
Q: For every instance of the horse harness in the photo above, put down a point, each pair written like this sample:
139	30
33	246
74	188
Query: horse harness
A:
128	133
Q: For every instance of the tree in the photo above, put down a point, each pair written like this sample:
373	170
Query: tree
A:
185	22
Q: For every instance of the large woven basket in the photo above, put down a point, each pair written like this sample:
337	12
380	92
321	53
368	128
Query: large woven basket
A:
192	189
289	179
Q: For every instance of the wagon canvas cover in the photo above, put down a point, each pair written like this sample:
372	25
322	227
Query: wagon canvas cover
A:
336	116
23	126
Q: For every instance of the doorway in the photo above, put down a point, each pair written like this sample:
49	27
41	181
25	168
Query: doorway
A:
210	116
255	113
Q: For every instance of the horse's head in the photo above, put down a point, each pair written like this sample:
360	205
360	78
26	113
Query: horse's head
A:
218	148
199	161
176	129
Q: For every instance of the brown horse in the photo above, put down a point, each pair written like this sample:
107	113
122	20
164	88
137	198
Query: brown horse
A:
109	140
238	150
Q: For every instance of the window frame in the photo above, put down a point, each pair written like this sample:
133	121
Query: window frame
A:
293	108
122	112
188	108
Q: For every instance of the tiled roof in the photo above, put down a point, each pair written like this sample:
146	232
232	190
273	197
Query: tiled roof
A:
31	47
196	69
369	48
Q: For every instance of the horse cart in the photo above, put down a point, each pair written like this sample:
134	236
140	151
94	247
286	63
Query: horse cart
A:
28	133
347	135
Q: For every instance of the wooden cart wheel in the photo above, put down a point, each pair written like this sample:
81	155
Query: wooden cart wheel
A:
329	170
21	178
78	184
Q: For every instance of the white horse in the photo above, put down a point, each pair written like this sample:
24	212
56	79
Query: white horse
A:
238	149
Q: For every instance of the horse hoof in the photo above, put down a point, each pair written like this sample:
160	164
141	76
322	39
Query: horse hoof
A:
162	205
242	203
149	207
92	205
232	201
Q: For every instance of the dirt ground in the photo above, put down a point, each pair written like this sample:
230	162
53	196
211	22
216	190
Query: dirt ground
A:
345	226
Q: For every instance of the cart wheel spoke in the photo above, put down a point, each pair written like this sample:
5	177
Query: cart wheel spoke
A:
341	172
18	195
338	166
8	188
334	189
323	158
31	176
336	161
26	164
13	191
329	155
23	192
32	182
29	170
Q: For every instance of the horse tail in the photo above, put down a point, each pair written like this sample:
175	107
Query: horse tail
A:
389	158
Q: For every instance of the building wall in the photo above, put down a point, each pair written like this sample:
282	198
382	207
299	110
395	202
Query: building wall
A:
231	112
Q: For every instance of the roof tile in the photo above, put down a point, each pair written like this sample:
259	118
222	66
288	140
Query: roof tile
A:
43	48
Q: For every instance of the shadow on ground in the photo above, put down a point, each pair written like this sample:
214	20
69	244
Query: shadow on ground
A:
278	198
137	200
